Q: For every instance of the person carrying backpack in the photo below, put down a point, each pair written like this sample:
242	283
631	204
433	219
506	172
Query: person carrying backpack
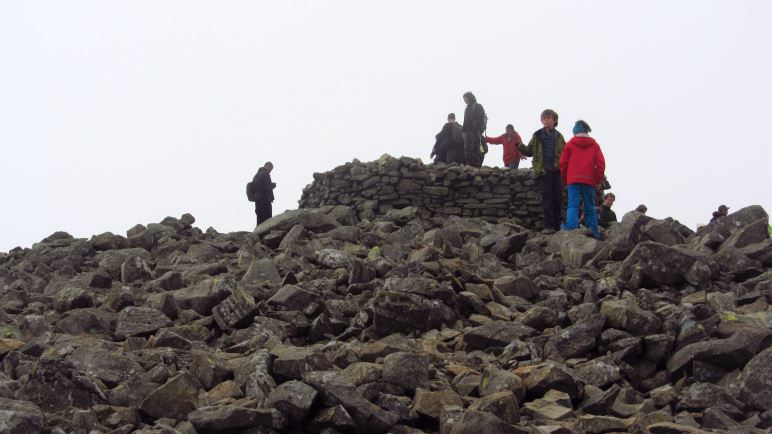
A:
260	191
474	126
449	144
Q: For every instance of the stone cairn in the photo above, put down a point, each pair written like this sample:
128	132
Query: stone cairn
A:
437	191
322	321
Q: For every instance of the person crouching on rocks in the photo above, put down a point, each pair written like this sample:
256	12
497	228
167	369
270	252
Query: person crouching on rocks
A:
510	140
582	167
263	192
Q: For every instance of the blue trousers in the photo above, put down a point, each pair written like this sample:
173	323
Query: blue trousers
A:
514	165
585	194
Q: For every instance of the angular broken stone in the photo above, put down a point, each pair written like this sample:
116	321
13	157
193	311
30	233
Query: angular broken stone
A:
293	398
236	311
140	321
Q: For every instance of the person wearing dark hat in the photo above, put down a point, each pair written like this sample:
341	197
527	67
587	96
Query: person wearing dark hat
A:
641	209
723	210
546	146
582	167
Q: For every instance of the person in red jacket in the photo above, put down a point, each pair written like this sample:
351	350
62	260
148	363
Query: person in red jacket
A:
582	167
509	140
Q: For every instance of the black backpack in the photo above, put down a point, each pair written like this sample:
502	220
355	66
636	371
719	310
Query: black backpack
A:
457	134
251	191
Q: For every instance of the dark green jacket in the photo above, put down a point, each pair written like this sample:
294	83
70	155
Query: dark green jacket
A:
535	150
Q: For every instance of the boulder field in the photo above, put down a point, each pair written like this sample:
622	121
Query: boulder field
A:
322	322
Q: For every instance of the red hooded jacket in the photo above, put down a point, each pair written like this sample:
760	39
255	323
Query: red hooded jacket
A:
582	162
510	146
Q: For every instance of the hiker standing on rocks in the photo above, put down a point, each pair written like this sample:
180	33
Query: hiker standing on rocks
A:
510	140
475	122
582	167
263	192
449	143
723	210
545	147
606	214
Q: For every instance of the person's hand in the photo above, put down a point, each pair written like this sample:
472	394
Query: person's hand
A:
522	157
431	155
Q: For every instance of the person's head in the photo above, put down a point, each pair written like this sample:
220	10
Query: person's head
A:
641	209
608	199
549	119
510	130
469	98
268	166
451	117
723	210
581	127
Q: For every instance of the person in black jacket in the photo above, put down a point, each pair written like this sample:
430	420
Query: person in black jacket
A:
475	121
607	216
449	145
263	192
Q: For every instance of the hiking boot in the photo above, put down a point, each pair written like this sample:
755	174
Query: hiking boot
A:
548	231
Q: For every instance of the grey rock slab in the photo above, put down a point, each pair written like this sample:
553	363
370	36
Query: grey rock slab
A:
576	340
293	398
479	422
626	315
140	321
20	417
238	310
496	334
225	417
205	295
175	399
756	381
406	369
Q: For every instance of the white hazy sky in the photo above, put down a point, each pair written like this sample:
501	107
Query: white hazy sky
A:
116	113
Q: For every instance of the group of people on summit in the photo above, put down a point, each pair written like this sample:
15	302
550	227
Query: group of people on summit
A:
578	164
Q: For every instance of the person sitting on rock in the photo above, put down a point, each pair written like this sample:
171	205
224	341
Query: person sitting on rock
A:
582	166
510	140
263	192
545	147
607	216
475	121
723	210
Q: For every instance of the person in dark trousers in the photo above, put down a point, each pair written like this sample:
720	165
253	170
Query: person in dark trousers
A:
582	168
475	121
606	214
510	140
263	192
449	143
723	210
545	147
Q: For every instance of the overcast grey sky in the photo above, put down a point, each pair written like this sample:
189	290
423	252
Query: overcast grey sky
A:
116	113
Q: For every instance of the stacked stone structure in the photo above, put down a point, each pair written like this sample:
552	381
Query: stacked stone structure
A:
374	188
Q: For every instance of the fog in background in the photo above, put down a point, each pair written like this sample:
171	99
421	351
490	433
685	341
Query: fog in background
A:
118	113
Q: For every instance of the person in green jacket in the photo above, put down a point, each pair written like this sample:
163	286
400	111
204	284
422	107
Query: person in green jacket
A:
545	147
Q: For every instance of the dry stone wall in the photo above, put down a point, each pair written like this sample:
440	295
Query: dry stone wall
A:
373	188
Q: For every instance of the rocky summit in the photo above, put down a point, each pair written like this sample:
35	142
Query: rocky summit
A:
320	321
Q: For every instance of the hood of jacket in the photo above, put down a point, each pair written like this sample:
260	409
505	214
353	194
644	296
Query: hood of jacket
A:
583	141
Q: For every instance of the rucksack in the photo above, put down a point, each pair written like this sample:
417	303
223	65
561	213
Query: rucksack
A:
251	190
483	119
456	134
